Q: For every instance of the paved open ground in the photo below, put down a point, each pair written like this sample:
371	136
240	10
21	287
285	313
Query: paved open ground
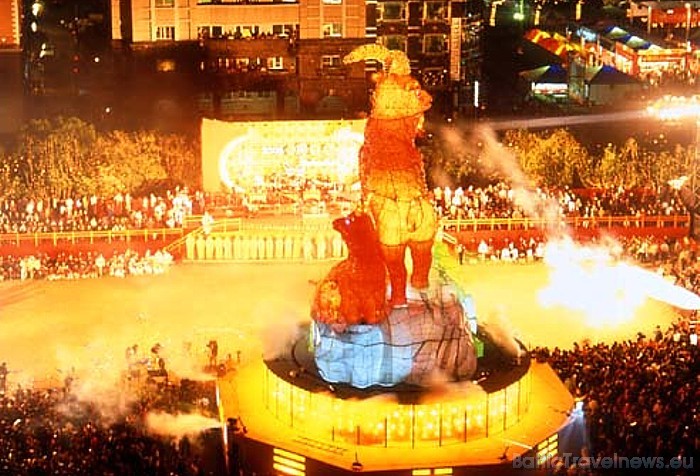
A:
50	328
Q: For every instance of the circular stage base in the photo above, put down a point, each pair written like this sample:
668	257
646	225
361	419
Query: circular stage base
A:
400	416
298	422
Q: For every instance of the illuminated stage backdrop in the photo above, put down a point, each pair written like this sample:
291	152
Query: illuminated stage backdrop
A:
244	155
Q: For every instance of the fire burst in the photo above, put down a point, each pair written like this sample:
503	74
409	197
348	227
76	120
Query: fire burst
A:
593	281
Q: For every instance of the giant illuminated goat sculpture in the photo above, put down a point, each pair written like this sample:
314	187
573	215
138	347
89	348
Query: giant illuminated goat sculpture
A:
391	170
421	333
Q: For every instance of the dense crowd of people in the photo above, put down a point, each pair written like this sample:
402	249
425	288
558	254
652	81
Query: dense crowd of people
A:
169	210
501	200
97	213
640	396
670	256
51	432
81	265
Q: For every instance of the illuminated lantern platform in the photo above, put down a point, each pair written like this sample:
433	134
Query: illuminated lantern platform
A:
404	416
299	424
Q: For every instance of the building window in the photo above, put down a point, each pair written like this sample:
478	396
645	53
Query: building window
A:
165	33
331	61
434	44
204	32
246	31
395	42
435	11
392	11
275	63
283	31
334	30
215	31
165	3
333	2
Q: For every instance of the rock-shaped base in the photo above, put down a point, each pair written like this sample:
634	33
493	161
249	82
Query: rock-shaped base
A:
427	340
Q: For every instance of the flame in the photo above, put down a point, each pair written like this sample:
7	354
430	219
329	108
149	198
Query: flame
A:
593	281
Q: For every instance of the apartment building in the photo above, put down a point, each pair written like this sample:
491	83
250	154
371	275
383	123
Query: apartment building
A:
10	66
262	59
442	38
10	16
283	58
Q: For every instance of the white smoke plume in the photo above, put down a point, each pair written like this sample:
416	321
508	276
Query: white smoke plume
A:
443	390
496	157
501	332
179	426
279	337
492	158
595	281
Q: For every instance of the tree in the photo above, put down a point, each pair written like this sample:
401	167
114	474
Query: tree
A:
54	157
550	158
633	166
126	160
180	157
66	156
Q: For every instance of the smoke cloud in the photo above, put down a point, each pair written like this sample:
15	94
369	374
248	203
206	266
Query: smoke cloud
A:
83	341
500	330
179	426
497	157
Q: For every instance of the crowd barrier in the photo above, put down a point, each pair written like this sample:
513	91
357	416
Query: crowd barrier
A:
236	239
606	222
90	237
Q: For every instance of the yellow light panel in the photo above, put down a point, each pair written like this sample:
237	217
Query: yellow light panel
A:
288	463
290	471
442	471
288	454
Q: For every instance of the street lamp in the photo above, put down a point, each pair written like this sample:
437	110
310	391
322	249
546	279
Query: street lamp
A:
494	11
579	10
36	8
538	12
520	14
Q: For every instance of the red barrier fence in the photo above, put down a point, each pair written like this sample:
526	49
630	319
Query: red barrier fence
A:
106	242
467	229
607	222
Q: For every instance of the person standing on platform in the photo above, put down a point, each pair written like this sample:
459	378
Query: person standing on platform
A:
207	223
213	346
189	246
460	252
288	247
